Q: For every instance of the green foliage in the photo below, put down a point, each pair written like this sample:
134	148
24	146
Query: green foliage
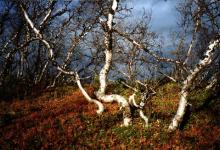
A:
126	133
168	90
95	82
198	97
165	101
206	106
116	87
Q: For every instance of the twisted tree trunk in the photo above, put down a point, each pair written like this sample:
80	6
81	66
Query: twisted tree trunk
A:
89	99
105	70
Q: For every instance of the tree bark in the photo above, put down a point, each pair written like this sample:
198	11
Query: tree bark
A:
88	98
105	70
188	83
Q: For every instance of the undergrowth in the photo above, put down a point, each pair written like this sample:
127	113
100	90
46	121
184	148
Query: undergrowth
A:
66	121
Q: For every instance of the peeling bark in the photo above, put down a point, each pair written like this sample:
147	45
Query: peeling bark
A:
105	70
188	83
140	106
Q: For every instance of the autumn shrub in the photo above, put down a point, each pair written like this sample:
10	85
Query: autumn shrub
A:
70	122
164	103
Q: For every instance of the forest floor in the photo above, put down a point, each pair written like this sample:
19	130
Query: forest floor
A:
69	122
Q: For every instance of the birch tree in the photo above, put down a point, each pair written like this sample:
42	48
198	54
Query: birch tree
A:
108	31
51	41
104	71
189	81
202	17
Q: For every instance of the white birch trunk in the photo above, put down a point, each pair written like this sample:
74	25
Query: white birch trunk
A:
144	117
105	70
88	98
39	77
121	101
140	106
132	101
188	83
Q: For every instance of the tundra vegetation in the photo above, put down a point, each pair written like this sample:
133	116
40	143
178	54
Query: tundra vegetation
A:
90	74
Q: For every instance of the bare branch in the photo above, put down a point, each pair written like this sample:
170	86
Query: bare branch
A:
140	46
169	77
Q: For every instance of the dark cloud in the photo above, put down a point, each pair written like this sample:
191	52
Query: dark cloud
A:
164	15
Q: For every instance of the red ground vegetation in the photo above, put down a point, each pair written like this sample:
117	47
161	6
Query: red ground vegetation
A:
71	123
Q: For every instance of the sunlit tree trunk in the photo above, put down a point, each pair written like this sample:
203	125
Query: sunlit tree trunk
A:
139	107
188	83
105	70
89	99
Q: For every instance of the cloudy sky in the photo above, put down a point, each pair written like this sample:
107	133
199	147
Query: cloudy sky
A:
164	15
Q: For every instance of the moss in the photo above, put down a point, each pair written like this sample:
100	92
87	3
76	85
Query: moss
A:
198	97
166	99
125	134
168	90
95	82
